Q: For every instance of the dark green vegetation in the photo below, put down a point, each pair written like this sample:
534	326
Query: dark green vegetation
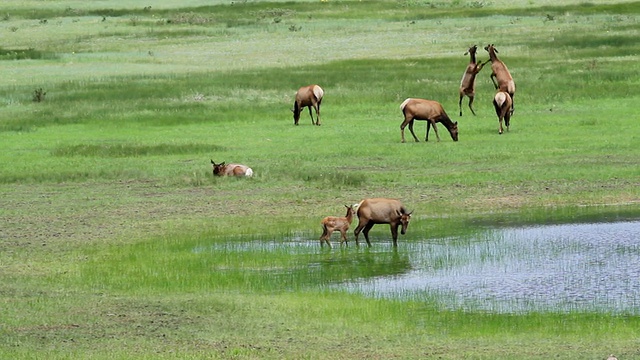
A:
116	241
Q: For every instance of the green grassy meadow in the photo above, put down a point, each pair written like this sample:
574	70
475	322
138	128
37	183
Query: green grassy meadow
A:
117	243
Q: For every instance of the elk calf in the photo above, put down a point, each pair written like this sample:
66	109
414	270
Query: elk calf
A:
333	223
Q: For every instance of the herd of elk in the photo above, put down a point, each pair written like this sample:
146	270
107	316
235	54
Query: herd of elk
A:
333	223
391	211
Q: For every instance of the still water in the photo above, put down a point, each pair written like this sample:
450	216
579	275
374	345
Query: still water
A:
560	268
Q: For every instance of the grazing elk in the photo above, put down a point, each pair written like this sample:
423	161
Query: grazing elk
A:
308	96
382	211
468	82
333	223
502	103
432	111
223	169
501	73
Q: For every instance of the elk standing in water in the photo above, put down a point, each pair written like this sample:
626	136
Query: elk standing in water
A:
432	111
333	223
382	211
502	103
501	73
468	82
223	169
308	96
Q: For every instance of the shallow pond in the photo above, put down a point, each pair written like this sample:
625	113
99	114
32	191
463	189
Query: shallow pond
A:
571	267
487	266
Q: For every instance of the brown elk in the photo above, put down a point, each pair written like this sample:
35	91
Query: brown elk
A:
502	103
308	96
223	169
333	223
501	73
432	111
382	211
468	82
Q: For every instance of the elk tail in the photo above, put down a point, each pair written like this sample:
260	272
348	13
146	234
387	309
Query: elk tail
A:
404	104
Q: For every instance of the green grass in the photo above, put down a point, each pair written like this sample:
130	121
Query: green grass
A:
116	241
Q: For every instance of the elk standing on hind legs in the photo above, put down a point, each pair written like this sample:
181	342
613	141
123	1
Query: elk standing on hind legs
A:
382	211
468	82
311	97
333	223
432	111
501	73
502	103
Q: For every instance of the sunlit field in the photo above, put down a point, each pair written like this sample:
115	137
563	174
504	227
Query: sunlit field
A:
116	242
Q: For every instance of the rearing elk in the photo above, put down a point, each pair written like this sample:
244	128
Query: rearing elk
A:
308	96
333	223
468	82
501	73
432	111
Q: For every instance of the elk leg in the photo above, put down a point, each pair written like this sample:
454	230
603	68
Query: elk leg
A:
470	105
429	123
460	103
311	114
412	133
366	233
394	233
344	237
356	232
493	79
318	114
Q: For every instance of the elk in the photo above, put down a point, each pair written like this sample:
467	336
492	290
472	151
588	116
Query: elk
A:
333	223
502	103
308	96
430	110
223	169
501	73
468	82
382	211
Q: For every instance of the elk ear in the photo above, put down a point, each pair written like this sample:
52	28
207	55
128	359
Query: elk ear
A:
455	123
213	162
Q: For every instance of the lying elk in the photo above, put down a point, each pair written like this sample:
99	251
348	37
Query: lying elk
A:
501	73
223	169
432	111
308	96
502	103
382	211
333	223
468	82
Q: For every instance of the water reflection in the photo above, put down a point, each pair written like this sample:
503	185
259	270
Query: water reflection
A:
562	268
